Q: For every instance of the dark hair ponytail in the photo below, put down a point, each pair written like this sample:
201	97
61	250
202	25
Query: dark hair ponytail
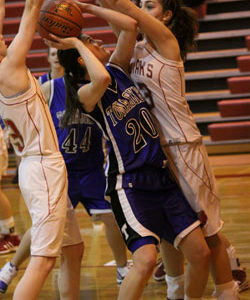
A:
73	76
184	25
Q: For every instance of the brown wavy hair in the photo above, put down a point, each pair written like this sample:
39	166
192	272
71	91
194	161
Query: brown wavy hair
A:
184	25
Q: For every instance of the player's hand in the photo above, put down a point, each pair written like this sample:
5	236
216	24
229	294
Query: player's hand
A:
61	43
83	6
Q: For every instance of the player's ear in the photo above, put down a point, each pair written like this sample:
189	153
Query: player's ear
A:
81	61
167	16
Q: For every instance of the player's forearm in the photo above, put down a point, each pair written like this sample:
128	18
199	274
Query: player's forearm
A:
21	44
117	19
33	6
95	68
30	15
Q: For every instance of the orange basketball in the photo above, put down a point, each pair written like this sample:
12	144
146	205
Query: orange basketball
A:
62	18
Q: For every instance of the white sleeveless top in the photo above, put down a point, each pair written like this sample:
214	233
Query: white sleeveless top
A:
28	119
162	83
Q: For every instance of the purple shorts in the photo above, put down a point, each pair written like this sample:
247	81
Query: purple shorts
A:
88	188
148	212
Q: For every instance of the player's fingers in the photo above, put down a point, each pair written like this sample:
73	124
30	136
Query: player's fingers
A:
55	38
50	43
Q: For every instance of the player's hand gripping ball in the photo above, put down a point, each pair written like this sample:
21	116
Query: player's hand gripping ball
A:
62	18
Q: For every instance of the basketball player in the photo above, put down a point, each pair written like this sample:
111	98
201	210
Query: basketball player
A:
9	240
81	144
42	171
85	168
56	70
157	69
139	185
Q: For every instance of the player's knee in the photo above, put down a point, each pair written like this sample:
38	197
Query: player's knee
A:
73	251
214	241
48	263
201	256
145	262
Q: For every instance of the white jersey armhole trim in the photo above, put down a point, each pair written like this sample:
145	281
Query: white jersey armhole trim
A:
52	89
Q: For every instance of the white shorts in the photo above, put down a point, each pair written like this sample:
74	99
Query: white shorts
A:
3	155
44	186
190	165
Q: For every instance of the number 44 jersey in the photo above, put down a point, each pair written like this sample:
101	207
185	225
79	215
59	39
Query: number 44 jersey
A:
80	142
124	116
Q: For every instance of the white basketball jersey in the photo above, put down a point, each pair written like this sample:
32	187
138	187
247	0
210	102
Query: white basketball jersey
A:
28	119
162	83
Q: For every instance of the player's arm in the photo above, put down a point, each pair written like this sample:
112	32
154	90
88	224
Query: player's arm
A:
127	36
106	4
2	14
13	71
21	44
163	39
90	93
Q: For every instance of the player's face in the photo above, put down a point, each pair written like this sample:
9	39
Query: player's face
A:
153	8
97	48
52	58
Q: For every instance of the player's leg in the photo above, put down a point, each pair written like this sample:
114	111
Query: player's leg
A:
70	268
197	253
116	243
71	257
34	276
190	165
48	211
6	217
225	287
184	232
139	238
83	188
9	270
238	272
173	261
144	259
9	240
23	252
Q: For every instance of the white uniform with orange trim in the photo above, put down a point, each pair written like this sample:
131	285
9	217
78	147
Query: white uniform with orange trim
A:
162	83
42	171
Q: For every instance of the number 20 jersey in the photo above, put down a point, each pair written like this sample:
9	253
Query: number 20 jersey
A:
123	114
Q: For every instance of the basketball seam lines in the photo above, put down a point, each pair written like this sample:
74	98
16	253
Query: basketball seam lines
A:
50	13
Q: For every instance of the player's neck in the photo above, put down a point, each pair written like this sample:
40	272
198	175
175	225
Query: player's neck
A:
56	73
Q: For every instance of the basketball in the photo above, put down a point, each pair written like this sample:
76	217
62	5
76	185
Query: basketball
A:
62	18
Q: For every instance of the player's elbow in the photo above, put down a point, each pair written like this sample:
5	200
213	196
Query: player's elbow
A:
105	81
133	24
